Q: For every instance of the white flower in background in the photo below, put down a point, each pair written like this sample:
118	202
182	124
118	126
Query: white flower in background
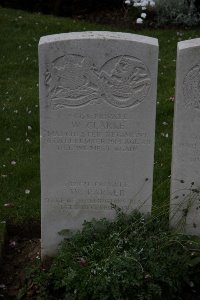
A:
139	21
27	191
144	3
13	162
152	4
8	139
143	15
29	127
137	4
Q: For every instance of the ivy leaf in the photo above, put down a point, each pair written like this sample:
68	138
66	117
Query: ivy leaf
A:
195	261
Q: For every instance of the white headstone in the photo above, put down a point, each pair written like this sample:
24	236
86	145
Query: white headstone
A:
97	106
185	184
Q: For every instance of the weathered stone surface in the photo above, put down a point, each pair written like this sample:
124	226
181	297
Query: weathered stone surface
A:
97	105
185	184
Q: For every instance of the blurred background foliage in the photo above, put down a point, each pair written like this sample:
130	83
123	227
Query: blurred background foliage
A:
186	12
62	7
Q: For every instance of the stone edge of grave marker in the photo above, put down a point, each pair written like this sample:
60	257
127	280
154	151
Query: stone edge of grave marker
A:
182	49
98	34
139	39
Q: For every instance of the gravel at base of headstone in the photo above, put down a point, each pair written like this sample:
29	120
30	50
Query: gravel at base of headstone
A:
185	181
97	120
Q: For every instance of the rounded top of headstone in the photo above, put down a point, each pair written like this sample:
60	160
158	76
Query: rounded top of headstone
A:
189	44
98	35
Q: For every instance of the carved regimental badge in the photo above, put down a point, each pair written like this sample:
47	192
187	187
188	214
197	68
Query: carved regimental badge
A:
191	87
74	80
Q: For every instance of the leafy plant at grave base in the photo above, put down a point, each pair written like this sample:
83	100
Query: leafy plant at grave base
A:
132	257
36	283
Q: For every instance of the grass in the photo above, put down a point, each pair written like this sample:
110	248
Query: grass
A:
19	110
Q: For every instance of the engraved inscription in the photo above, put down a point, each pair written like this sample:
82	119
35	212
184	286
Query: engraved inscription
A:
96	132
92	195
104	141
73	80
192	148
191	87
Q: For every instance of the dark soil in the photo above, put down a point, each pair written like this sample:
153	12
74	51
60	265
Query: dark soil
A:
18	255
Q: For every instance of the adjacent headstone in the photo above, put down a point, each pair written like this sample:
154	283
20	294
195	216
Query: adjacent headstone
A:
185	184
97	106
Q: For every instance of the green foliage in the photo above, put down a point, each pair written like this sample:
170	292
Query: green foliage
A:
132	257
132	13
177	12
36	283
